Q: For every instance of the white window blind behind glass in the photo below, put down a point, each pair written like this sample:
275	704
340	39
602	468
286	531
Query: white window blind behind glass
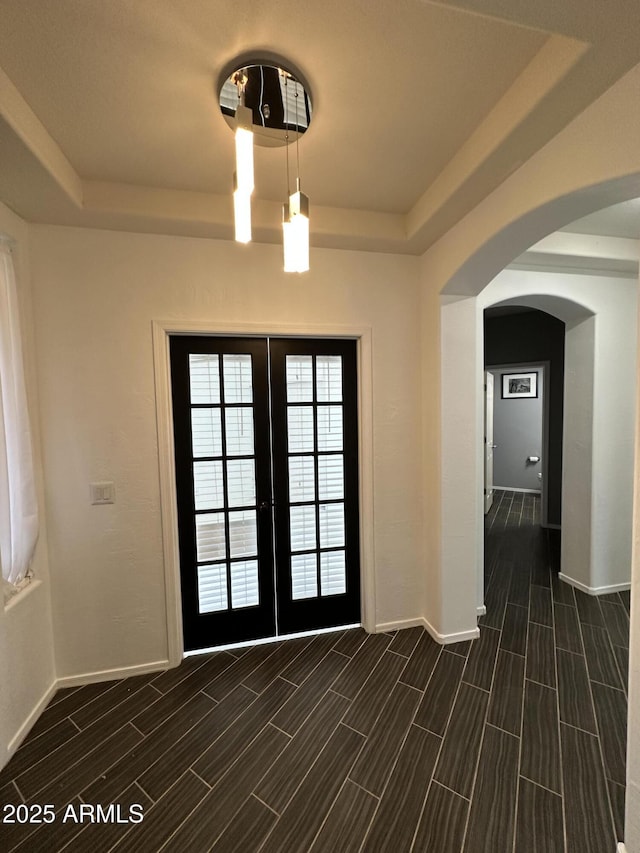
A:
315	427
226	541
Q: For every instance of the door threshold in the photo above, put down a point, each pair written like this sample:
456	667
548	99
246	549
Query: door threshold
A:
263	642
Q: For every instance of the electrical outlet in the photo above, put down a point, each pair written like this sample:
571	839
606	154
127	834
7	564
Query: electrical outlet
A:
103	493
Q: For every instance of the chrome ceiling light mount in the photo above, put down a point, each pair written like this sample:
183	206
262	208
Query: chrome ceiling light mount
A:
268	103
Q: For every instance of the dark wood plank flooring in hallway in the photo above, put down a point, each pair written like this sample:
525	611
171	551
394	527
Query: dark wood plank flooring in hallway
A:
356	743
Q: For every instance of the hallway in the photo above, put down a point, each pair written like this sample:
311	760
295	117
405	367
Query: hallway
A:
574	652
349	742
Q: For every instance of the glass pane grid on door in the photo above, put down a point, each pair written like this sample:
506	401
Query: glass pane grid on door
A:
315	425
265	441
224	481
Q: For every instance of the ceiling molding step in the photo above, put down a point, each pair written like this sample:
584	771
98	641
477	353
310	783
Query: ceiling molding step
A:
532	262
27	126
209	214
133	200
588	246
584	254
523	98
573	18
359	223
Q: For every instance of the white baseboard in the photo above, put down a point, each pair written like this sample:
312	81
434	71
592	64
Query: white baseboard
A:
595	590
447	639
112	674
443	639
523	491
481	610
74	681
621	847
399	625
31	720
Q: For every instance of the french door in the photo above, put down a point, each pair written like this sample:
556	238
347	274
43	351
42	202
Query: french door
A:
266	456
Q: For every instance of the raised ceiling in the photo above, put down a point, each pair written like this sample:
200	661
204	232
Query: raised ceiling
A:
619	220
108	110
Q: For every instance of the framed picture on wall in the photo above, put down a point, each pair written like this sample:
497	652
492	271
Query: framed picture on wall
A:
519	385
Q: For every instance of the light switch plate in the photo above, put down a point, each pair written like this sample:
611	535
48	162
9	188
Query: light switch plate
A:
103	493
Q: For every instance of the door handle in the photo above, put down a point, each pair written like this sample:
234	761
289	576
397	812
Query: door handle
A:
264	505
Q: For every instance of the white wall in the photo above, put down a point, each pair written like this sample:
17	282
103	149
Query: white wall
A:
462	419
26	635
577	554
632	827
632	823
96	294
598	462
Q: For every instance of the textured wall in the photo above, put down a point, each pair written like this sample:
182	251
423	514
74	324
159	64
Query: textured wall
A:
96	294
632	825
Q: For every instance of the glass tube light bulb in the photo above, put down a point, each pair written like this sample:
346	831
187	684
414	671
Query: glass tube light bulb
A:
288	246
242	215
244	149
295	230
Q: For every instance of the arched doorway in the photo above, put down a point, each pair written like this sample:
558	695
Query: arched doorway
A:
593	163
599	418
588	534
597	505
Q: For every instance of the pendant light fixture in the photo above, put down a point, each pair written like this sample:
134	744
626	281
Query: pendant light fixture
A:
264	101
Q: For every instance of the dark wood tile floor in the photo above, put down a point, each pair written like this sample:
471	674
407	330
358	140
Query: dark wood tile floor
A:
348	743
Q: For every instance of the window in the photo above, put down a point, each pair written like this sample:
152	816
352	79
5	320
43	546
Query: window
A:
18	503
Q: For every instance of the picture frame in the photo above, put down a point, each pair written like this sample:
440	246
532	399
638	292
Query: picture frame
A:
519	385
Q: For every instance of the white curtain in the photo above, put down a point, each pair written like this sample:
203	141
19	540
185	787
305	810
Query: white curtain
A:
18	503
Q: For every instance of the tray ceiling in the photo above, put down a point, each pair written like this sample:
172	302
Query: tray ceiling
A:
110	118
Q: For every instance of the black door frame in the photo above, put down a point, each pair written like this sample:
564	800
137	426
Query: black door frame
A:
353	420
161	330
